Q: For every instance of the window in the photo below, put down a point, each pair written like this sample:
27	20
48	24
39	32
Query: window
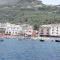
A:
47	33
15	32
41	31
48	29
52	32
52	29
9	32
57	28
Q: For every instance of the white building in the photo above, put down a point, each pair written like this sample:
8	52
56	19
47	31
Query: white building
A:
13	29
50	30
55	30
2	28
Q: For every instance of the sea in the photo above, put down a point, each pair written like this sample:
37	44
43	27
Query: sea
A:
14	49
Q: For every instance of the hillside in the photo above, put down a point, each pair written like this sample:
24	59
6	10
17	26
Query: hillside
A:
29	11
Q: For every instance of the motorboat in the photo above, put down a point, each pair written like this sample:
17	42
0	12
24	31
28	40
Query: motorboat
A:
57	40
42	40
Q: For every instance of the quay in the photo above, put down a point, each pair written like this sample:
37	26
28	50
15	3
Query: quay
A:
46	39
53	39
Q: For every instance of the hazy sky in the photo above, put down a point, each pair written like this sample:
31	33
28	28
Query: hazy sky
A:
53	2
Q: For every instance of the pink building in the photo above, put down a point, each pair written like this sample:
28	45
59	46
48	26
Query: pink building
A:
44	31
29	31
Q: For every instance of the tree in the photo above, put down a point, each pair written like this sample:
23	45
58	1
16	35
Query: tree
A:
36	27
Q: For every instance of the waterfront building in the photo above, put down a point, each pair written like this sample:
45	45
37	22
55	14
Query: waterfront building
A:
15	29
2	29
12	29
44	30
49	30
55	30
28	31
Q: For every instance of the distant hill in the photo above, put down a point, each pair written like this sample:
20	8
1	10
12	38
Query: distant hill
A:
29	11
28	3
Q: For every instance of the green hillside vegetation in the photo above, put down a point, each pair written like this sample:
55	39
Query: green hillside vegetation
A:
35	13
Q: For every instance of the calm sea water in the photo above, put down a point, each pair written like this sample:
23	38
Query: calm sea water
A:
12	49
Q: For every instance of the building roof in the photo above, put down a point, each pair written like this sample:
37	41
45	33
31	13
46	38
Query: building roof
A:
49	25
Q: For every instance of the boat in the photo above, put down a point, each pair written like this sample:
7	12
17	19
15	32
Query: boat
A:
42	40
57	40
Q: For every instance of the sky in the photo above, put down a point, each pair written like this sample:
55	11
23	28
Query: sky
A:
47	2
51	2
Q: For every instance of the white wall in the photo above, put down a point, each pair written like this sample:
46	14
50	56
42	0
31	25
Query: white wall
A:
14	29
55	30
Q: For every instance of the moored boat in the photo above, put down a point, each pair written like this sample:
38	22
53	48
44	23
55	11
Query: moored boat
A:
57	40
42	40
